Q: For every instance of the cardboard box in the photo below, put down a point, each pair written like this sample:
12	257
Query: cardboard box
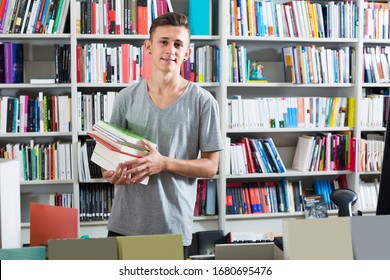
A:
83	249
151	247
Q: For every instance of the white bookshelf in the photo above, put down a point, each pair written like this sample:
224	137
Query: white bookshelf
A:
265	49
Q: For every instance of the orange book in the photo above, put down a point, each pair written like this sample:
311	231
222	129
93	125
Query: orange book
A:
94	15
51	222
142	20
301	111
146	64
125	63
263	195
247	200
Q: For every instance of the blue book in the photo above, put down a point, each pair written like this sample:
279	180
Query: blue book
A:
263	155
211	197
276	155
16	115
199	17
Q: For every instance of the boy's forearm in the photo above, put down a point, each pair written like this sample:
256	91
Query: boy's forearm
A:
205	167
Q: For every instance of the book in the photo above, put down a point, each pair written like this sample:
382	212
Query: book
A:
112	141
199	17
211	197
303	153
314	206
122	135
108	157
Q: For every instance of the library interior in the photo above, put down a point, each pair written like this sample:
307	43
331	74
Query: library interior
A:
302	89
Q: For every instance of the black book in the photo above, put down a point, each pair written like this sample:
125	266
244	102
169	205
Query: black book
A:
2	67
10	114
19	17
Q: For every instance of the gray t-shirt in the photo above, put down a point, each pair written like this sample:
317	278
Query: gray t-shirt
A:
182	130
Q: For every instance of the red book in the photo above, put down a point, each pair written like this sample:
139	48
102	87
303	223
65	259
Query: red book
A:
94	12
203	188
112	18
354	151
125	63
52	222
40	14
142	20
78	63
146	64
248	153
197	202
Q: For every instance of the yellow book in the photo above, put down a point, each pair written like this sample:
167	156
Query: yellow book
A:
351	112
250	17
335	112
314	18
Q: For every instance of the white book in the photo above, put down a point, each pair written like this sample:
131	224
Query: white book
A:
68	160
81	170
62	163
63	113
109	160
29	3
303	153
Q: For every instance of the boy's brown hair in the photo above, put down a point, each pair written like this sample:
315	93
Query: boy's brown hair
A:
174	19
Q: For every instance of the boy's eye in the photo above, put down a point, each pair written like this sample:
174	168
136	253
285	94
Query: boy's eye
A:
178	45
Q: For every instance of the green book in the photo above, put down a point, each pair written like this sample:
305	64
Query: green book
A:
121	134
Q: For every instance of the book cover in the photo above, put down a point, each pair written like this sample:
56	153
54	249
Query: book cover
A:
2	66
199	17
121	146
142	17
315	206
303	153
122	134
211	197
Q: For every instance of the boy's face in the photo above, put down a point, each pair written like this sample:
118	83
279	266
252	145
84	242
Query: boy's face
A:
169	47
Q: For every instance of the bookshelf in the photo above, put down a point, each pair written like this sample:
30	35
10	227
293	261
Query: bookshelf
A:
39	61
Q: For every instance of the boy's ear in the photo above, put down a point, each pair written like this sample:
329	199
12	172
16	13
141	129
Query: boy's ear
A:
187	56
147	45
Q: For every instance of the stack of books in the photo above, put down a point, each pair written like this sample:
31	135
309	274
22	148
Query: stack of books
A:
115	144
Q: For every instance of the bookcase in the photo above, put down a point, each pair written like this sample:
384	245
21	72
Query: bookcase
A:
265	49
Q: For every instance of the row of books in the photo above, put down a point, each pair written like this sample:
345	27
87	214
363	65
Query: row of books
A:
11	63
376	64
62	65
325	151
317	64
293	19
99	63
241	68
263	197
87	169
62	199
367	194
34	16
96	201
253	156
367	155
376	20
93	107
40	114
41	161
206	198
119	17
374	110
289	112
